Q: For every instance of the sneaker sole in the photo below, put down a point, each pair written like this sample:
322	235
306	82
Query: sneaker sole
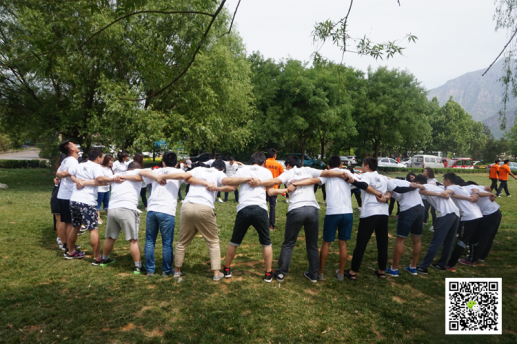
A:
70	258
113	262
313	281
228	276
136	273
267	281
422	273
388	274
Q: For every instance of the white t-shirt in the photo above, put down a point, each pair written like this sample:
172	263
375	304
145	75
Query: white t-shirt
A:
231	170
198	194
86	171
339	194
209	162
443	206
249	195
303	196
469	211
486	206
119	167
125	194
106	172
164	198
67	185
371	206
406	200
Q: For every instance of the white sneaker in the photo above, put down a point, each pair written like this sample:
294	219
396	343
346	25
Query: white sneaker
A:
323	202
359	208
177	274
181	201
431	229
286	201
220	200
100	222
59	242
218	277
509	195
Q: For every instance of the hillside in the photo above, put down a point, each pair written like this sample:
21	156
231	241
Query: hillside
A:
479	95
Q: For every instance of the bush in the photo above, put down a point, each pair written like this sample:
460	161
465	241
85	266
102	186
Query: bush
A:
148	162
24	164
436	170
5	143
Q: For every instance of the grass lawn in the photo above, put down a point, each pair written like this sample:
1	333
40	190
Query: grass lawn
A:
45	298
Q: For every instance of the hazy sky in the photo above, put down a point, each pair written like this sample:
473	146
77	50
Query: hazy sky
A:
454	36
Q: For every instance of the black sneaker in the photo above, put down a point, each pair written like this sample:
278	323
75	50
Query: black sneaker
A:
422	271
439	267
268	277
106	262
280	277
74	255
306	275
227	272
97	262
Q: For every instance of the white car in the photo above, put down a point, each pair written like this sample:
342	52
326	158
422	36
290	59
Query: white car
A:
406	162
345	161
352	159
389	162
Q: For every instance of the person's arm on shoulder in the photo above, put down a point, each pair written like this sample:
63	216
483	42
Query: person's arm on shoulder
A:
62	174
276	192
266	183
132	177
332	173
306	181
234	180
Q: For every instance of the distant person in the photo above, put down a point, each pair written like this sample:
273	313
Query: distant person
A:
232	167
122	162
494	175
276	169
139	158
429	174
504	171
54	203
103	194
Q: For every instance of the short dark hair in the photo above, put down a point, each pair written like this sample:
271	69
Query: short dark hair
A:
293	161
451	177
170	159
271	152
506	161
420	179
371	163
497	161
94	153
134	165
258	158
219	164
121	155
410	174
459	180
334	161
231	158
430	172
470	182
64	148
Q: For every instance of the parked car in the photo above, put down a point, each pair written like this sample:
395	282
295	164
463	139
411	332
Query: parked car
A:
308	161
389	162
463	163
352	159
406	162
423	161
513	165
345	161
204	157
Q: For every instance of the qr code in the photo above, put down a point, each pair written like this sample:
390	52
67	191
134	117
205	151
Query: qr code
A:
473	306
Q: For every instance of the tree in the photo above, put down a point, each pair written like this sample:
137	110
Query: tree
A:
511	136
394	108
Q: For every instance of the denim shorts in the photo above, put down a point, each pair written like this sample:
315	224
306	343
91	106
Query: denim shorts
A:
342	223
411	221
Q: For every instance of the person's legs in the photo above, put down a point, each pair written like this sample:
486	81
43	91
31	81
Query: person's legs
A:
417	248
344	234
381	235
324	191
364	233
293	224
506	188
490	241
226	196
186	234
442	228
311	228
166	223
427	206
242	223
260	222
391	206
134	249
272	211
324	252
107	247
100	198
77	220
397	252
61	230
330	224
469	228
267	253
449	241
343	256
143	192
493	186
489	224
95	243
236	193
207	226
433	214
503	185
151	232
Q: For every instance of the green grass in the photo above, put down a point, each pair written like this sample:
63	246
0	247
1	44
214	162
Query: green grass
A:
44	298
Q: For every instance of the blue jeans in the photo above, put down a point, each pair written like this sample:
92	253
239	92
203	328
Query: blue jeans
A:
165	224
103	197
445	229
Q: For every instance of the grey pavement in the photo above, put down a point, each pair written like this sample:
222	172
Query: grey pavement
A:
20	155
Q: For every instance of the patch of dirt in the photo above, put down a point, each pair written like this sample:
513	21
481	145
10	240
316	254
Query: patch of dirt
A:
246	312
150	286
124	274
398	299
163	304
509	238
378	334
390	236
154	333
5	257
301	238
109	300
199	236
128	327
312	291
34	328
252	263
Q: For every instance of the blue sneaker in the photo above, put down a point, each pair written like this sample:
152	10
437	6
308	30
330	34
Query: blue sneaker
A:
392	273
412	271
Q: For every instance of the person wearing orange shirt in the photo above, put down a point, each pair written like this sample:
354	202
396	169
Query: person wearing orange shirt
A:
276	169
494	175
504	171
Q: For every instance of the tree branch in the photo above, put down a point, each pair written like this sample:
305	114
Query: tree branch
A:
233	18
500	53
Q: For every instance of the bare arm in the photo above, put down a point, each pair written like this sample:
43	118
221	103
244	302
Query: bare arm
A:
132	177
62	174
268	182
234	181
197	181
225	188
332	173
275	192
307	181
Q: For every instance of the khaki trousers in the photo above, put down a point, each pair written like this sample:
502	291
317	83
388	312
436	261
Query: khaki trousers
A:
198	218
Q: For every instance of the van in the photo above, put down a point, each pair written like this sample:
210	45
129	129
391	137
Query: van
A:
423	161
465	163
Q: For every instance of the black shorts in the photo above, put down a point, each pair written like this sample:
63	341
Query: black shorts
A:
255	216
54	203
64	210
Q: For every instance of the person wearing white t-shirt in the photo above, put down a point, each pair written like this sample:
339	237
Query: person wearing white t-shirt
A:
410	221
302	212
445	227
252	211
492	216
471	217
232	167
124	216
83	203
122	162
374	217
197	212
65	190
104	191
339	215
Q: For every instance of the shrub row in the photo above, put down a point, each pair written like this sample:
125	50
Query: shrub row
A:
24	164
436	170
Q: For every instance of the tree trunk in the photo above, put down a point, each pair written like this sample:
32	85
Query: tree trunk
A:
213	152
322	143
302	147
376	148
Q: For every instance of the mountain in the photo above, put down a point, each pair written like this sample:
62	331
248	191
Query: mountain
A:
479	95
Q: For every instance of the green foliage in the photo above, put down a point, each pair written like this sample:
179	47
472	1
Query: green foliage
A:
24	164
436	170
5	143
511	136
49	148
